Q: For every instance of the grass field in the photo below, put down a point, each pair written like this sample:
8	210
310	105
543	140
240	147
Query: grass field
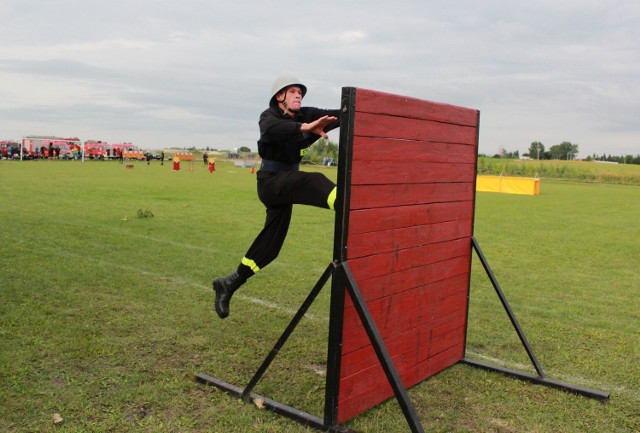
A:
106	311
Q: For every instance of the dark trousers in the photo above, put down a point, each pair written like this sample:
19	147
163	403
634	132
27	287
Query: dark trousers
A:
279	191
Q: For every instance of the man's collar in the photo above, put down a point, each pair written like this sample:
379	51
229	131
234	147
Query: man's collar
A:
292	114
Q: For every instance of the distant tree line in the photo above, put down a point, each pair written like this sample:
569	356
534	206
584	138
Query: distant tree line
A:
564	151
322	149
626	159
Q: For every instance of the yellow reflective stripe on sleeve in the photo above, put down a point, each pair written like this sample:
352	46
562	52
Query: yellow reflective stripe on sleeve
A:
332	197
250	263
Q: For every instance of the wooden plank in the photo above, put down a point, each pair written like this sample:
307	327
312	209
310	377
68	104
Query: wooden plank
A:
399	128
443	332
397	261
411	309
387	149
440	326
403	345
373	381
356	338
349	408
381	219
388	323
412	345
381	172
442	342
447	299
439	362
395	195
369	386
387	285
380	102
366	244
390	327
377	393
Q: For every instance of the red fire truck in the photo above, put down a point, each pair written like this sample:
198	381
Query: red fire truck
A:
50	147
97	150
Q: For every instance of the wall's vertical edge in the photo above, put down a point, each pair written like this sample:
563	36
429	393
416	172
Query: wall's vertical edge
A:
334	352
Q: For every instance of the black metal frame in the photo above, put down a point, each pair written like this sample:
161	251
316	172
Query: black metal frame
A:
540	377
342	279
247	394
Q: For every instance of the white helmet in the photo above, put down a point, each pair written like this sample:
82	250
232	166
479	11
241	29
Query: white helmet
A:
282	82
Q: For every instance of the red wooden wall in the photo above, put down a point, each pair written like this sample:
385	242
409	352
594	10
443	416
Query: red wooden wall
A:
410	213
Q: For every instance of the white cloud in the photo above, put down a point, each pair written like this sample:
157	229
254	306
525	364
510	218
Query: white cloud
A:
194	72
351	36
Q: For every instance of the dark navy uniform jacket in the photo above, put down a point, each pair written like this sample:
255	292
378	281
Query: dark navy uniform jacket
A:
280	136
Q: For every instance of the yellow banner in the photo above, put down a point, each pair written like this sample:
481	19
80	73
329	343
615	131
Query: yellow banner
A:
508	185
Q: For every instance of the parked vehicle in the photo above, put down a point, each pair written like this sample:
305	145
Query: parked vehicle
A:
64	149
97	150
42	146
127	151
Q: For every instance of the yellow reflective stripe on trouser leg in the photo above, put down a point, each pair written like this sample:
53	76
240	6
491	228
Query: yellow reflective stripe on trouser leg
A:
250	263
332	197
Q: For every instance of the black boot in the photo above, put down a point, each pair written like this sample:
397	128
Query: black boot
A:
224	288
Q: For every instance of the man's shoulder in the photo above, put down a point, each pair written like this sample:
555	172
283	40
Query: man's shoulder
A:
271	111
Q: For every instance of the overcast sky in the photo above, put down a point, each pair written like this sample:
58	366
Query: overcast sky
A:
161	73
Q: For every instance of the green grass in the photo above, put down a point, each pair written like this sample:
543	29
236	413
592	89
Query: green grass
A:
106	314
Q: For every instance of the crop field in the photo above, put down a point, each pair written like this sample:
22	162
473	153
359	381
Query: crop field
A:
582	171
106	314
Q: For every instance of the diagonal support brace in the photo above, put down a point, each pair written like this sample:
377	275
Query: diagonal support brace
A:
540	378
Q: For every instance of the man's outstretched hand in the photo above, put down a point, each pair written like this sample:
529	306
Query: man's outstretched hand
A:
318	125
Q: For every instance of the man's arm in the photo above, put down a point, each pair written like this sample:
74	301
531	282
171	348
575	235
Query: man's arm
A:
273	125
319	126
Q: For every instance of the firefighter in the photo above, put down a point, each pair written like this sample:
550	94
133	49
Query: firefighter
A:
286	131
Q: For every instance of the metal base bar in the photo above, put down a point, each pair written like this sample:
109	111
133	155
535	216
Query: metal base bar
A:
279	408
575	389
540	378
